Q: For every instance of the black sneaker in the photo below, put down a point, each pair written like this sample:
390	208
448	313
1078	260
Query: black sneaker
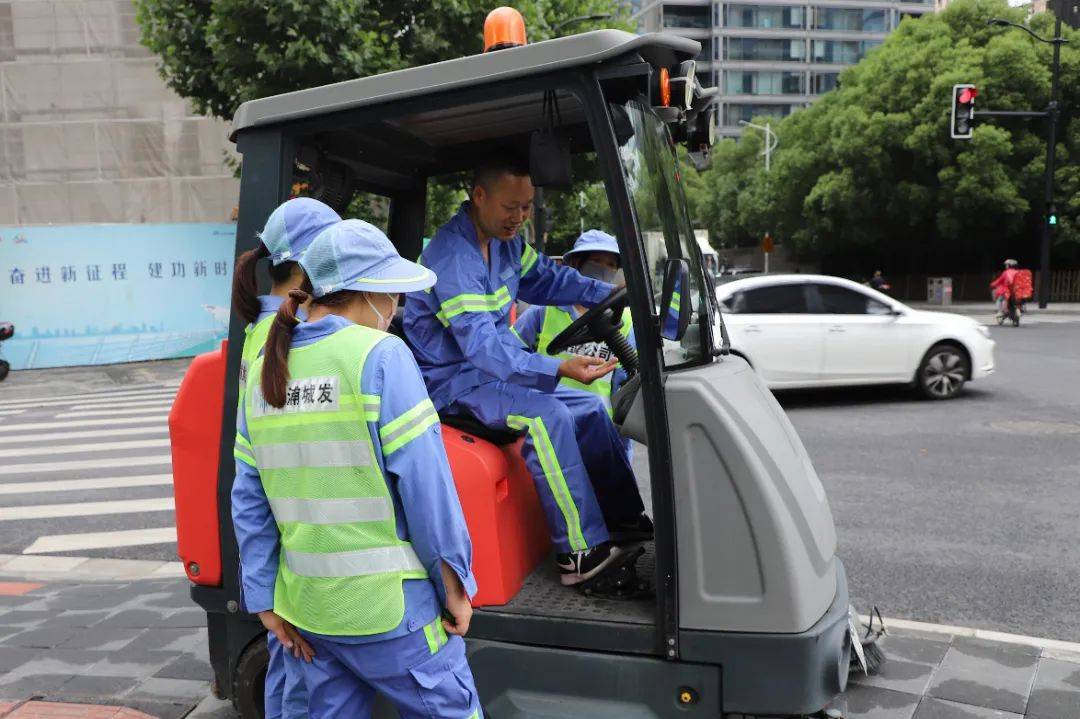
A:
576	567
638	530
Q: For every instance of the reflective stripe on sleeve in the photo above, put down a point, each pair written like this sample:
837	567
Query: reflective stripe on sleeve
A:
528	259
402	430
331	511
363	562
460	304
288	455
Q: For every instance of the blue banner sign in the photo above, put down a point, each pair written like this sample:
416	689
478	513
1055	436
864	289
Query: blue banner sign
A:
100	294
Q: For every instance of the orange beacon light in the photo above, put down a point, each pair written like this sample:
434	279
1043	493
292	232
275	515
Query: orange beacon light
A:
503	28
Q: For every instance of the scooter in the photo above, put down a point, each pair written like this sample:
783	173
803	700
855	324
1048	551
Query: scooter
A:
1013	310
7	331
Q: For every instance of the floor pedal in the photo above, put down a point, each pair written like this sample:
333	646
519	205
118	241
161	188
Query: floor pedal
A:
619	582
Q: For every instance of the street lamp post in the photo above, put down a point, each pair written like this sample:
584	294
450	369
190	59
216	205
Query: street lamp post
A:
1052	113
771	140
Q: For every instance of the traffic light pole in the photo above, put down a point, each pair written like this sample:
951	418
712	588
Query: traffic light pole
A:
1051	151
1052	112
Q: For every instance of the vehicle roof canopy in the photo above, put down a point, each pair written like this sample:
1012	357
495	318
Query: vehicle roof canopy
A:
447	121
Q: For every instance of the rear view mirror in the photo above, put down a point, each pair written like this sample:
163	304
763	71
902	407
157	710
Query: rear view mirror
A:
675	300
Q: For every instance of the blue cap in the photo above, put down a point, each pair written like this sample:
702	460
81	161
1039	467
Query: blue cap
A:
594	241
293	226
356	255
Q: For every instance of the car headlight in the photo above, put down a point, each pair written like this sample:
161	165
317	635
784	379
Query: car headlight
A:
983	330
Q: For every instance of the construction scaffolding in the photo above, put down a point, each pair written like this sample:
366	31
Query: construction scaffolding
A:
88	130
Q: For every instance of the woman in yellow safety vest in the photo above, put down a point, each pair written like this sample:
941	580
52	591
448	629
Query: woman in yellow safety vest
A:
364	570
288	232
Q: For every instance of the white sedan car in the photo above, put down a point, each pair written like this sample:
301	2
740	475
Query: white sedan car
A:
820	331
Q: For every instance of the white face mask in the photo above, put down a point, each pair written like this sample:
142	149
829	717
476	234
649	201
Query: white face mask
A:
384	320
597	271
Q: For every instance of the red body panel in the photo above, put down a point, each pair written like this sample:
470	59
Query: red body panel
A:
507	526
195	433
503	514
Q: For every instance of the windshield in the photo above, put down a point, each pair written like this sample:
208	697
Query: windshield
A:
653	180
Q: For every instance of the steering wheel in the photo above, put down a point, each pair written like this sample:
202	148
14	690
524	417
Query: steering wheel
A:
602	323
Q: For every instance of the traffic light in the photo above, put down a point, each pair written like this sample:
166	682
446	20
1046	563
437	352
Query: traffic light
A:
963	111
1051	217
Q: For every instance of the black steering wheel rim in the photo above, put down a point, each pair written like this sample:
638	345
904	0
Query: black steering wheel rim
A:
602	323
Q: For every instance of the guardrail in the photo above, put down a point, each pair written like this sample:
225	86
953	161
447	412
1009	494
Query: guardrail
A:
975	286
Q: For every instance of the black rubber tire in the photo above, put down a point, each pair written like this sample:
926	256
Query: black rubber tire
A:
249	680
5	367
939	360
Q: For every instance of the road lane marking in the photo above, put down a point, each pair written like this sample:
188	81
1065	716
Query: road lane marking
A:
91	447
103	433
78	464
101	540
87	509
80	485
145	421
11	412
118	412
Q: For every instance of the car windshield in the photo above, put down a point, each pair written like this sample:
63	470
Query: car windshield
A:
654	182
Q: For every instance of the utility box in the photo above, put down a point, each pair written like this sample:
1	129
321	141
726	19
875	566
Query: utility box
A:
939	290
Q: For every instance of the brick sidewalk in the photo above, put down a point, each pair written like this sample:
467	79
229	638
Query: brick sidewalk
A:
138	644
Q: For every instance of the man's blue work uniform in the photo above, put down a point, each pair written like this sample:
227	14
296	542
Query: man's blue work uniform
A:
474	365
421	488
527	328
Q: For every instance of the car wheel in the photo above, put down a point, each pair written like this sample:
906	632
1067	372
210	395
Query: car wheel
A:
943	372
249	680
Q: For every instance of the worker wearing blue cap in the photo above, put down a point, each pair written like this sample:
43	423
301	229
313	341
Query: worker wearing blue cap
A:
595	254
474	366
288	232
362	543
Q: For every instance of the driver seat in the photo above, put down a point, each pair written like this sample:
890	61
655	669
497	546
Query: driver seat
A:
471	425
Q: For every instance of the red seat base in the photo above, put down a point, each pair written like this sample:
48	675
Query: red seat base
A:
507	525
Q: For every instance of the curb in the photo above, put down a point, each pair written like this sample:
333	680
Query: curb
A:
1053	648
93	569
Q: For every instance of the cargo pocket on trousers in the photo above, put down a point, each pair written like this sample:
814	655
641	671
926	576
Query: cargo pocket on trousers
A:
445	683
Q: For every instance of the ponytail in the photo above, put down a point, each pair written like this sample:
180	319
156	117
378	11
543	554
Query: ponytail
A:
245	288
275	373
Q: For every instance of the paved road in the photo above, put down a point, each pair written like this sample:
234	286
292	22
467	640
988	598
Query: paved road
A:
962	512
87	473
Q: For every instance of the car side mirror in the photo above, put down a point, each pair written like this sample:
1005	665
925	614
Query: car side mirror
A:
675	300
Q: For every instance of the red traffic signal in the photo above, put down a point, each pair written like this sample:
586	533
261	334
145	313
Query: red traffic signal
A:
963	111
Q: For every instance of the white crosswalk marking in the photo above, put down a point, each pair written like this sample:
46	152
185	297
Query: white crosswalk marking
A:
107	448
83	485
27	426
101	540
77	464
155	428
74	399
76	448
85	509
123	404
119	412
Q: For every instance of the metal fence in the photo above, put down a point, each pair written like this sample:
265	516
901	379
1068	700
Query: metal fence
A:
975	286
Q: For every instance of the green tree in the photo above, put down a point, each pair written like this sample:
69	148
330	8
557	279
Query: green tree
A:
221	53
870	174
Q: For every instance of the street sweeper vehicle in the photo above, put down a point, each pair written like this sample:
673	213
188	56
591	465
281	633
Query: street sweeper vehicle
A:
746	606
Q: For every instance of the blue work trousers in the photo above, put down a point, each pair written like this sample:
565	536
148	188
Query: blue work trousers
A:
423	678
574	452
285	694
